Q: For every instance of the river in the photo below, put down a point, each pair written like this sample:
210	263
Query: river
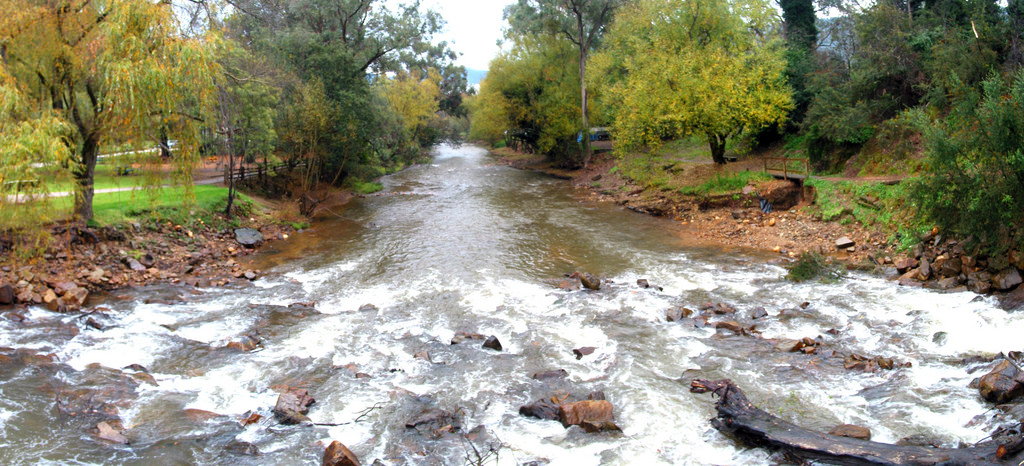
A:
461	244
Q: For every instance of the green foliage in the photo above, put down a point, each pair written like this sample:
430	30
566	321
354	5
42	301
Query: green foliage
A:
119	69
886	208
671	68
364	187
813	266
530	99
975	182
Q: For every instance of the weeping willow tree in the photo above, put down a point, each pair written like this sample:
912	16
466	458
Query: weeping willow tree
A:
88	72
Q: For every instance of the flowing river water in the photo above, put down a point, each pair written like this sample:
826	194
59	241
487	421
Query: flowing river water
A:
461	244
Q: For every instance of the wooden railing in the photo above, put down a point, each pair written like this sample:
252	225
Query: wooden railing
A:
261	170
775	165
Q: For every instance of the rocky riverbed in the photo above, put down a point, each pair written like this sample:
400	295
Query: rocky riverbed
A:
82	261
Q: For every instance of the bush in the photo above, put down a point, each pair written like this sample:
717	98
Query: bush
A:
814	266
975	182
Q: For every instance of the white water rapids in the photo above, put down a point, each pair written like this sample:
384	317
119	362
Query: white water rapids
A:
463	245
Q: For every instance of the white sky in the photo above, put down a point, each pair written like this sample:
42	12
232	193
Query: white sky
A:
473	29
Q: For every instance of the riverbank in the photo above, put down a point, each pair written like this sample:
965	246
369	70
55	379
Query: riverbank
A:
728	217
853	221
200	247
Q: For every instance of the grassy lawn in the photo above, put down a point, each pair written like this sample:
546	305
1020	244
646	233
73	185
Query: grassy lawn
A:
168	205
684	166
105	178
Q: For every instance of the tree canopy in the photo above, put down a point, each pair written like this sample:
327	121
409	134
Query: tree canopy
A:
672	68
103	70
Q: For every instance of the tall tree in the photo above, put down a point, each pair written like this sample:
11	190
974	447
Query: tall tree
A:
582	22
676	67
801	40
118	68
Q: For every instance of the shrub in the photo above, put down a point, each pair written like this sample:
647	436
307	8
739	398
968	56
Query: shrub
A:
975	182
814	266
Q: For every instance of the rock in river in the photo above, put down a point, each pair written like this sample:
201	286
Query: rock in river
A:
338	454
248	237
1003	384
590	282
104	431
594	411
292	406
492	343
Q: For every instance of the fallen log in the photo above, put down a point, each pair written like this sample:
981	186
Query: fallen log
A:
739	418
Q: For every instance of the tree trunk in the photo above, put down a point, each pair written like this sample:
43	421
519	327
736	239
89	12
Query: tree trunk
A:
739	418
165	147
85	177
229	149
583	106
717	143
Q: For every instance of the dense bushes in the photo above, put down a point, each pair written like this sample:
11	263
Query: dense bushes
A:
975	182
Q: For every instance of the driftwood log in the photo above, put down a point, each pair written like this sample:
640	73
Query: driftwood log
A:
739	418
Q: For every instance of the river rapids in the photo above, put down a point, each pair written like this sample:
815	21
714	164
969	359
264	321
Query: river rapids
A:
464	245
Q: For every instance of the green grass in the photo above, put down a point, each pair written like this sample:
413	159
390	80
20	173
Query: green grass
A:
105	178
363	187
168	204
727	183
876	205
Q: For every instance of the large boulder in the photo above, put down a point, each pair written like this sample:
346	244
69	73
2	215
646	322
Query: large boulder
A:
292	406
1007	280
7	295
248	237
1002	384
337	454
594	411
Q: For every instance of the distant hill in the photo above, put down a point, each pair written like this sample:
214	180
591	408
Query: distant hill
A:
475	76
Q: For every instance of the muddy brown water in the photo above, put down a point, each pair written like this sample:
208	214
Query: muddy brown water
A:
461	244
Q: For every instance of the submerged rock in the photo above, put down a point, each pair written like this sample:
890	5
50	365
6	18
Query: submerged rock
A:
549	375
105	431
584	351
337	454
464	336
243	448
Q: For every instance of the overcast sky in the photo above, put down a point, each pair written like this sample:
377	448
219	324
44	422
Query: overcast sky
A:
474	27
